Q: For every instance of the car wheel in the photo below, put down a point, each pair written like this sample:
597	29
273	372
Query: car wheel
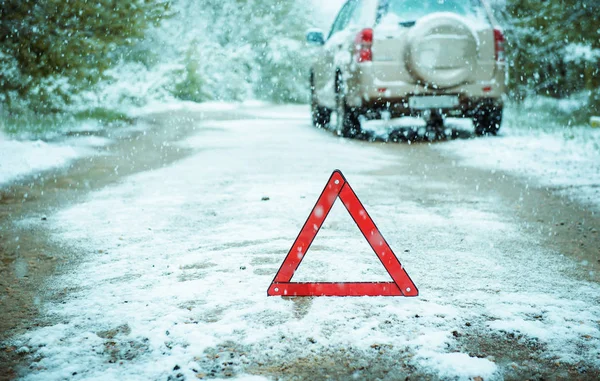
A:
348	122
487	120
321	116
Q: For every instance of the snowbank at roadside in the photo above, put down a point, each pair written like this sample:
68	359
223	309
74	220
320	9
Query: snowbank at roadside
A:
174	105
22	158
533	143
563	159
566	166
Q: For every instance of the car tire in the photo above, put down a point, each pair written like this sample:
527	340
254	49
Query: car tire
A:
348	121
487	120
321	116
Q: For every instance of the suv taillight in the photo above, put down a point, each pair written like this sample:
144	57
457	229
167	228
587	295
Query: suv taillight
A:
499	45
362	46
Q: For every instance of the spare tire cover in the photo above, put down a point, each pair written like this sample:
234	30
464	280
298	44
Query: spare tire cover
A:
442	50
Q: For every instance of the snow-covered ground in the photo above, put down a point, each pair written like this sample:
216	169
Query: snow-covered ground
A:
564	159
177	105
19	158
543	152
175	263
22	156
570	167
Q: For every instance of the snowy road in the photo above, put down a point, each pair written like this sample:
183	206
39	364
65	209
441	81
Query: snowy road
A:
171	267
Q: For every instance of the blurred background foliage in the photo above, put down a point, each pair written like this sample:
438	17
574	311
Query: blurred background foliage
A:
51	49
554	48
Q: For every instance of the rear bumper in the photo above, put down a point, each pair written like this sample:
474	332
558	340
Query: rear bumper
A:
369	93
398	107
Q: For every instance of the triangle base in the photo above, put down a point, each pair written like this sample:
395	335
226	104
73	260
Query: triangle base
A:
337	289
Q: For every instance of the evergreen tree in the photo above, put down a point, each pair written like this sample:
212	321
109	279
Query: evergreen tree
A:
554	46
50	49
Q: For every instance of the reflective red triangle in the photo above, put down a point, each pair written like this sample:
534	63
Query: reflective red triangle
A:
337	186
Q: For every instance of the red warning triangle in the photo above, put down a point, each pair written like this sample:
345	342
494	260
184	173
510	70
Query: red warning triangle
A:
337	186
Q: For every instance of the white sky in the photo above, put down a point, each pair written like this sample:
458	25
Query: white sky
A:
328	9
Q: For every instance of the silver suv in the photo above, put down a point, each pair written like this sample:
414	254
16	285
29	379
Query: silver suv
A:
429	58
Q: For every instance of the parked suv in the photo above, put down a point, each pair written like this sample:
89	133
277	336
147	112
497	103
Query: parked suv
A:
431	58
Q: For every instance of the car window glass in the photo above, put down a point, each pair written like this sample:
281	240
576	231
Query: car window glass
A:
412	10
338	20
343	17
364	13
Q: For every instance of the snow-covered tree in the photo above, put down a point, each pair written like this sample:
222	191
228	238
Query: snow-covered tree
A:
51	49
554	47
243	48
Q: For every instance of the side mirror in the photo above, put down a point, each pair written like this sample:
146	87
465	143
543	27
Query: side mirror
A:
315	37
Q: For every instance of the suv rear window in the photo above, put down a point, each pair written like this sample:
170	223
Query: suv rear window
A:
412	10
